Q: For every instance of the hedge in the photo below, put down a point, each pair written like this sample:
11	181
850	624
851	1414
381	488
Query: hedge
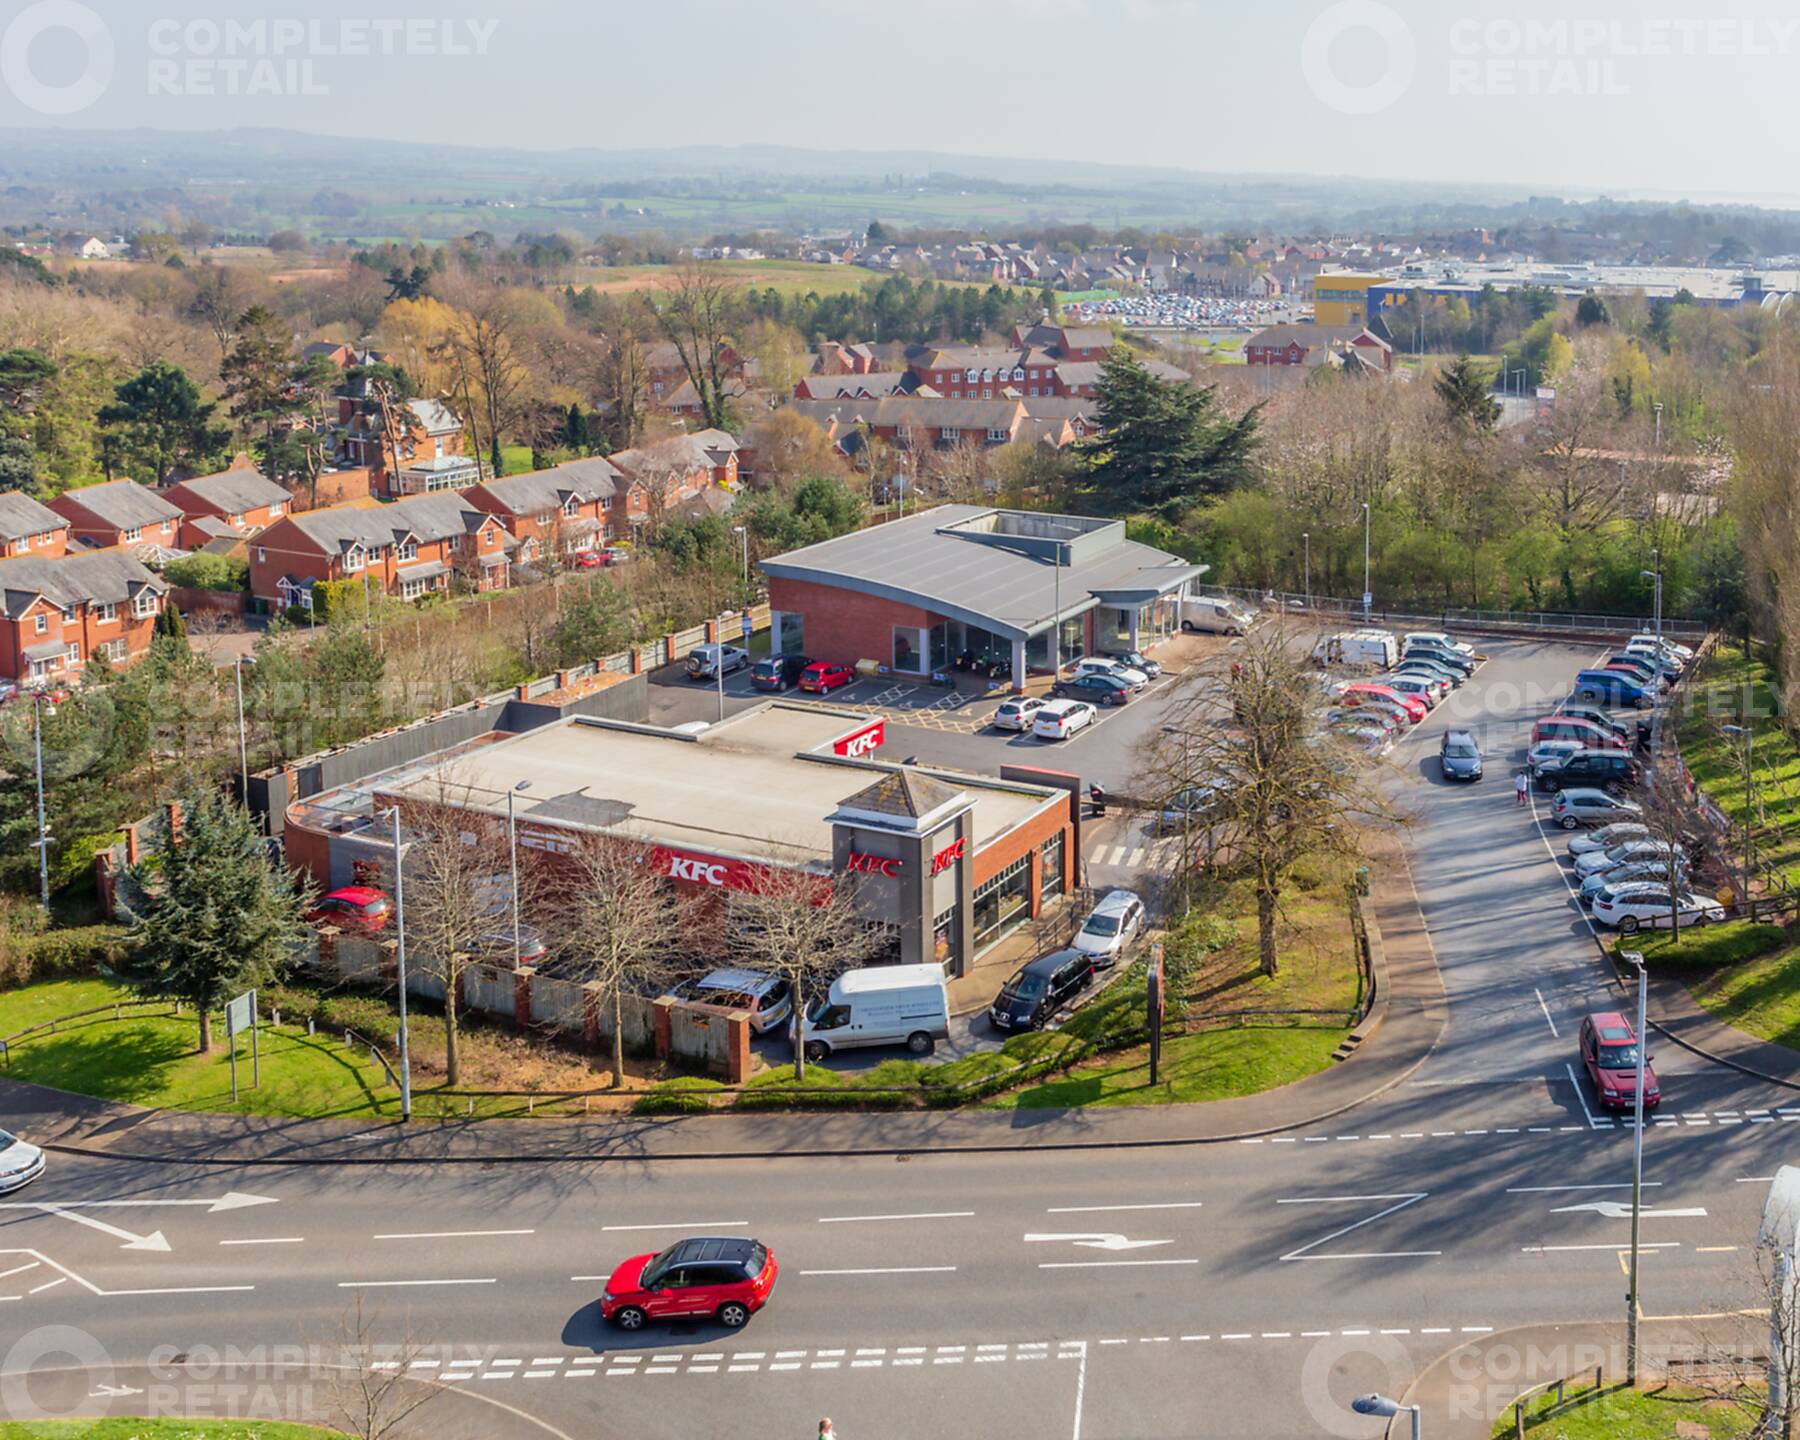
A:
205	571
59	954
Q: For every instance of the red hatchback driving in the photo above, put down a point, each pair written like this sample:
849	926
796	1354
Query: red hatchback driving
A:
726	1279
822	677
1609	1050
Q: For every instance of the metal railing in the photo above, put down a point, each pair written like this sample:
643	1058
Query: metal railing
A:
1448	616
52	1026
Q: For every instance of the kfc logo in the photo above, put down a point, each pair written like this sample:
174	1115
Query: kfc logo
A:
863	742
686	867
947	857
873	865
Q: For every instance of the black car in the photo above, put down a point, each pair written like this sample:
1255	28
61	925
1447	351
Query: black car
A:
1610	769
778	672
1040	988
1095	688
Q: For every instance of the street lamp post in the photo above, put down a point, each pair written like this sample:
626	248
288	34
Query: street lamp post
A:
1306	583
1381	1405
1656	679
1368	595
743	535
393	813
1749	799
512	851
41	705
1636	959
237	670
1657	407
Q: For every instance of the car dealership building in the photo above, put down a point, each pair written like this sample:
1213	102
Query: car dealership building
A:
1030	590
946	863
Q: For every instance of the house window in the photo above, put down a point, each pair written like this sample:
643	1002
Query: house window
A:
262	556
275	511
974	377
949	436
1018	373
106	613
73	654
409	550
143	604
116	651
997	437
353	558
40	622
412	589
68	614
135	533
235	521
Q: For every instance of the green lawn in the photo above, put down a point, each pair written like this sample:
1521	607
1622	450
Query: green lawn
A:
1716	698
1211	1065
124	1428
1614	1412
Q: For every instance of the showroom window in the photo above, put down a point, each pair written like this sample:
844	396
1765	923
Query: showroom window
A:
1050	885
1003	903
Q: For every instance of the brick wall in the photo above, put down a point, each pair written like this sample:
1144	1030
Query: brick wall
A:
843	625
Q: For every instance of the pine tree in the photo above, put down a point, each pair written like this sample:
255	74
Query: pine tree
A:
1466	396
169	624
211	915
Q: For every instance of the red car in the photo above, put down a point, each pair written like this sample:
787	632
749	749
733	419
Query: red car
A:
822	677
727	1279
588	559
355	907
1567	727
1609	1050
1355	694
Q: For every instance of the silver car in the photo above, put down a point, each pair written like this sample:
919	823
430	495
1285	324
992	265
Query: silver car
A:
1110	927
20	1163
1017	713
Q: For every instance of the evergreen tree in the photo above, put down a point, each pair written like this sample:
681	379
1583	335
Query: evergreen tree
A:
160	423
211	915
1163	444
575	431
169	624
1592	311
1466	396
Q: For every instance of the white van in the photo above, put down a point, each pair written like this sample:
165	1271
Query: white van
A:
1215	615
882	1005
1358	647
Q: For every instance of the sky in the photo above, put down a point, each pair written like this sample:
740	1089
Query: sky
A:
1580	97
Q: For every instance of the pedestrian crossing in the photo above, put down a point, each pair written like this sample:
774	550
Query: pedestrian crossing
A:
1159	856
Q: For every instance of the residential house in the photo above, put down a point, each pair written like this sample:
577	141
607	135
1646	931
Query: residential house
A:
853	386
1064	342
559	511
341	355
121	512
241	501
1317	345
722	450
1081	378
833	357
968	372
657	478
409	549
414	448
57	614
28	528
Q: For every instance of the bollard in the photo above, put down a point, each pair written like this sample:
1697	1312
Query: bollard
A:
1519	1420
1597	1379
1559	1392
471	1109
309	1026
531	1105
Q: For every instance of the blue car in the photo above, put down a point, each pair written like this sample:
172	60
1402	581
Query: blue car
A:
1612	687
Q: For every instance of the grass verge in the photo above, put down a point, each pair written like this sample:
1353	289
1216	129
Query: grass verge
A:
1671	1412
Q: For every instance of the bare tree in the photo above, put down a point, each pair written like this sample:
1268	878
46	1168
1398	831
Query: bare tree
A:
376	1391
700	306
621	381
482	343
1673	819
622	924
803	926
220	297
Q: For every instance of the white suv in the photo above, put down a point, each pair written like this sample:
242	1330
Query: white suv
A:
1060	719
1105	665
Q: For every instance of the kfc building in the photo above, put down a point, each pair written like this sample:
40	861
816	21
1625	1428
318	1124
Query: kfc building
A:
945	863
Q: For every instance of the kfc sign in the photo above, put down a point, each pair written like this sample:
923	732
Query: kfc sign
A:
873	865
705	869
861	743
689	867
947	857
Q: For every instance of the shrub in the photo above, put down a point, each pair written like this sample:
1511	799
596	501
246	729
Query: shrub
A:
824	1090
296	1006
684	1095
373	1019
204	571
54	954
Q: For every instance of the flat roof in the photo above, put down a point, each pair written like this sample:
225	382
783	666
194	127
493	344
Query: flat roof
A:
756	786
991	567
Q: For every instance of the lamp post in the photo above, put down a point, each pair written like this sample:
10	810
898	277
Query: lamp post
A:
393	813
1368	595
1306	542
1635	958
1056	620
512	852
1746	730
1657	407
41	705
1656	679
743	535
237	671
1381	1405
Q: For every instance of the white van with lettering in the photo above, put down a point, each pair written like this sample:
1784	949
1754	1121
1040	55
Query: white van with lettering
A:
881	1005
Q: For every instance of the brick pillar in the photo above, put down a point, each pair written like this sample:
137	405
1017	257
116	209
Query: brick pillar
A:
637	660
522	692
663	1007
131	844
737	1060
1034	869
328	956
712	632
668	649
174	812
522	996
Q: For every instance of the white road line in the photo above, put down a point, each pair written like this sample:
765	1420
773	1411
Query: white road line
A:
682	1225
49	1285
1548	1189
1164	1205
578	1374
1403	1202
1080	1390
21	1269
921	1215
450	1234
389	1284
888	1270
1106	1264
1622	1245
269	1240
1546	1009
1136	858
1592	1119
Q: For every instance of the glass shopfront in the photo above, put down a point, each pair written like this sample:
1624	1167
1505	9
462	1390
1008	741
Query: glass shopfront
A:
1051	864
1074	644
1003	903
944	936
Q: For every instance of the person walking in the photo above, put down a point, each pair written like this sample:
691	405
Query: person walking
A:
1522	786
825	1430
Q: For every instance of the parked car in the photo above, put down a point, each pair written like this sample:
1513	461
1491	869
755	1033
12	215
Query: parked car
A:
1637	872
1459	757
1395	714
723	1278
1438	669
1359	692
705	660
1392	719
496	944
768	998
360	908
1594	715
1190	805
1017	713
1648	671
1606	837
1610	687
1590	807
589	560
880	1005
1040	988
1105	665
1110	927
1096	687
1674	647
1426	688
1625	852
1609	1054
1450	659
1586	732
1370	739
1438	639
1550	752
823	676
1060	719
778	672
1631	908
1138	660
8	689
1667	663
20	1163
1612	769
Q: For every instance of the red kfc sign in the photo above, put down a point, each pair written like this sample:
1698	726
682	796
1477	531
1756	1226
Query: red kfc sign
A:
947	857
872	865
699	869
859	743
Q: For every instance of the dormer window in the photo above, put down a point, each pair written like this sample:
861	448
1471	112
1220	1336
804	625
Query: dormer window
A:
354	558
143	604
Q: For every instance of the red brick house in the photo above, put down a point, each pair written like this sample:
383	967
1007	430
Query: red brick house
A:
409	549
1317	345
655	479
1061	342
851	386
836	358
242	501
722	451
57	614
425	436
28	528
120	513
560	511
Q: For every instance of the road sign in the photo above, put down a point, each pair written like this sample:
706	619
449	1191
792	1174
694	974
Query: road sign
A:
1368	599
1154	997
240	1015
747	626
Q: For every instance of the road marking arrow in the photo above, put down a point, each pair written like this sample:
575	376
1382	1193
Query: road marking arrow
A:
1101	1240
113	1392
153	1241
1621	1210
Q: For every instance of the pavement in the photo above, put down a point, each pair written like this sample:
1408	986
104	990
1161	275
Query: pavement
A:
1450	1185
